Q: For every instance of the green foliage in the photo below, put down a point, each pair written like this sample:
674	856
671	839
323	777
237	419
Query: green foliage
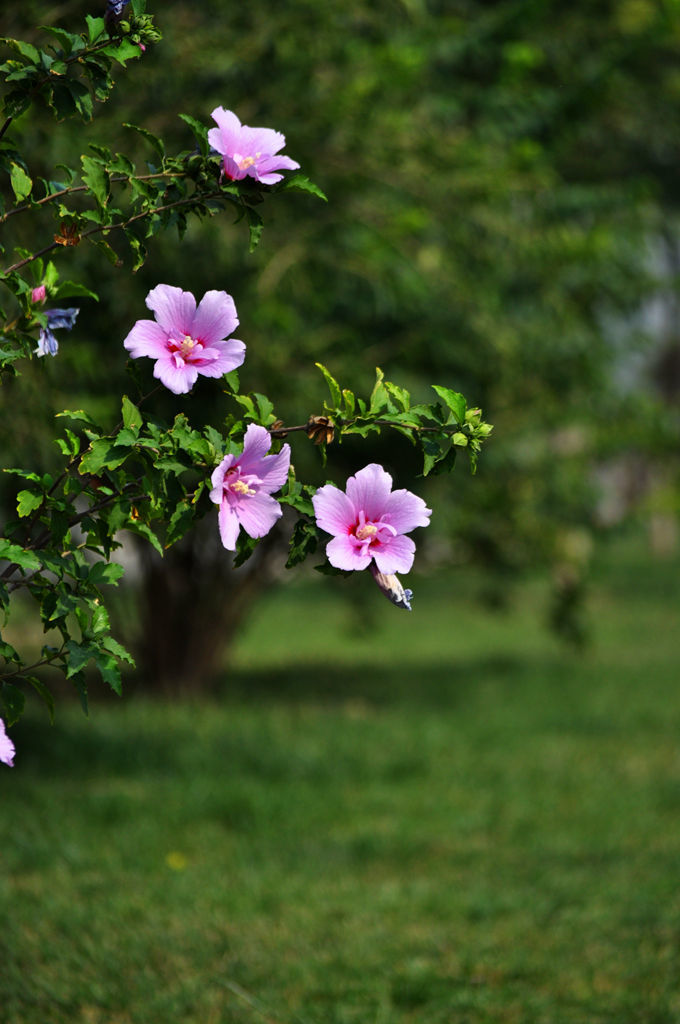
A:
146	475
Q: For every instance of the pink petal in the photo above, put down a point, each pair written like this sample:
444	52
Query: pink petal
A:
228	127
276	163
178	379
397	556
147	338
174	309
333	510
266	179
217	478
273	471
261	140
232	169
256	444
215	318
229	526
7	750
230	354
369	490
404	511
343	554
258	513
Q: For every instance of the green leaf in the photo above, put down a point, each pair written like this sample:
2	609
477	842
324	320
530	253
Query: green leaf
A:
333	386
96	179
67	40
200	132
112	645
73	289
25	49
105	572
95	27
27	502
21	183
13	700
132	417
303	542
24	559
78	656
44	693
109	670
455	401
255	228
301	183
153	140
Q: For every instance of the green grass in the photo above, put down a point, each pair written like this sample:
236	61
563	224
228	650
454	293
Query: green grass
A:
442	818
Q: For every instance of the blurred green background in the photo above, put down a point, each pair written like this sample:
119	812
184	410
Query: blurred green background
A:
503	203
450	816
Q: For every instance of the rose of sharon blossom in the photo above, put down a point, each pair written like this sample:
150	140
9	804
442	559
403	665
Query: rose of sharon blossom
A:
6	747
243	485
57	319
368	522
186	340
248	151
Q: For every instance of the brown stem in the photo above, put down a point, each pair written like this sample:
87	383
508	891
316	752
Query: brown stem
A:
112	227
71	190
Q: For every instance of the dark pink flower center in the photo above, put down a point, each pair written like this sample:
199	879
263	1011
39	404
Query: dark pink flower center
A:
238	486
185	349
370	533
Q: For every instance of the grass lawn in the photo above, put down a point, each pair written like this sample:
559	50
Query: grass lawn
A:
441	817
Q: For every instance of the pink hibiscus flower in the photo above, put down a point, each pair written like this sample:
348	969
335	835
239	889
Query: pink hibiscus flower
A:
185	340
243	485
248	151
6	747
369	521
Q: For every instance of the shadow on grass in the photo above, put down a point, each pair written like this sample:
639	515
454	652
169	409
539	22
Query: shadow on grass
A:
145	735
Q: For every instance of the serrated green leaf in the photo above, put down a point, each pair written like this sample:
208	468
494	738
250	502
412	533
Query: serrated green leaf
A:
27	502
24	559
44	694
301	183
26	50
454	400
255	228
13	700
333	386
96	179
109	670
153	140
78	656
132	417
95	27
105	572
21	183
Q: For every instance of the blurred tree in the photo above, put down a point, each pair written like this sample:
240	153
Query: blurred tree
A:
497	174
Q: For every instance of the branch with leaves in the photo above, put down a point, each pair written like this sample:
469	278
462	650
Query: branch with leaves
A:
150	477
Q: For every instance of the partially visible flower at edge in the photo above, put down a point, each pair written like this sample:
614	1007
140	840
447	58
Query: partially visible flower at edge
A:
7	750
56	320
186	340
248	151
368	523
242	487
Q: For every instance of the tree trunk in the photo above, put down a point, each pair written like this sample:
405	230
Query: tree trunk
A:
191	605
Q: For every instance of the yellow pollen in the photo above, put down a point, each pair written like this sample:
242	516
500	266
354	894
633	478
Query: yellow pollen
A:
186	346
247	161
241	487
366	531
